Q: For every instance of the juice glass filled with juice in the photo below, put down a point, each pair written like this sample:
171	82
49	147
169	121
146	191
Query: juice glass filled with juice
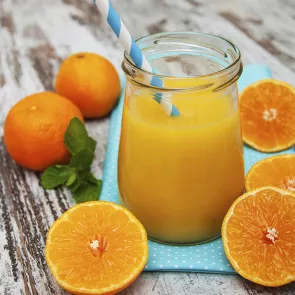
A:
180	174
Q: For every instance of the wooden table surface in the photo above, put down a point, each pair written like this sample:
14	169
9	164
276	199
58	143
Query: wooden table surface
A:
35	36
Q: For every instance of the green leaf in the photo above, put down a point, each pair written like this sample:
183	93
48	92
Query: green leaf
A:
71	179
91	178
76	137
75	185
99	185
82	160
55	176
83	174
91	143
81	178
87	192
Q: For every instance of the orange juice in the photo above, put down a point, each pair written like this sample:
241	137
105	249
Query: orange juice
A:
179	175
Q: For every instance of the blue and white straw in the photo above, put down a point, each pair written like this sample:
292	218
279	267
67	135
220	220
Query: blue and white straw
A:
111	16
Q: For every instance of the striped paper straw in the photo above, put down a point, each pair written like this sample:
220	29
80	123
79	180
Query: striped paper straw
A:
108	12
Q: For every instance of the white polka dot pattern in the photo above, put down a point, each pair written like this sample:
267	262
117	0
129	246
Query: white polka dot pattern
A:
207	257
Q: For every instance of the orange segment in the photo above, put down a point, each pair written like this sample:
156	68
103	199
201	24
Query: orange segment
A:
268	115
278	171
258	233
96	248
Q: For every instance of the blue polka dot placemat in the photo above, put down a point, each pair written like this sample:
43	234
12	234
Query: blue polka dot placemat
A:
208	257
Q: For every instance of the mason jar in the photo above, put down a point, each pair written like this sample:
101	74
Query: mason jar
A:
180	174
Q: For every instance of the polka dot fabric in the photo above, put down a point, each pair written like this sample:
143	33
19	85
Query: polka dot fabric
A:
208	257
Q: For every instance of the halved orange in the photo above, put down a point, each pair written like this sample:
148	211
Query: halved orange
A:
267	111
278	171
258	234
96	248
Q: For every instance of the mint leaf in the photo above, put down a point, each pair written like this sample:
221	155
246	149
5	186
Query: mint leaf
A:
75	185
83	174
82	160
55	176
99	185
87	192
76	137
71	179
82	177
91	143
91	178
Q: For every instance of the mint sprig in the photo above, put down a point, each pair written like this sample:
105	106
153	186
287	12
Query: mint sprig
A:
76	175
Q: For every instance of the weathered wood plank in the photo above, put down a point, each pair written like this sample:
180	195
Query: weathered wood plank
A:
270	26
37	35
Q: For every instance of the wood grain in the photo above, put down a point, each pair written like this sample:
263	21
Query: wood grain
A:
35	36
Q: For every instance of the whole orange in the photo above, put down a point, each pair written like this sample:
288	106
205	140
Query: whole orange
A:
34	130
91	82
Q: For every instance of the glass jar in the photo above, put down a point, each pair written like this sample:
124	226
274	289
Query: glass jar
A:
179	175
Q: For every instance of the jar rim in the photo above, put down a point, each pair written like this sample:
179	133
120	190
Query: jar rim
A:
227	69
